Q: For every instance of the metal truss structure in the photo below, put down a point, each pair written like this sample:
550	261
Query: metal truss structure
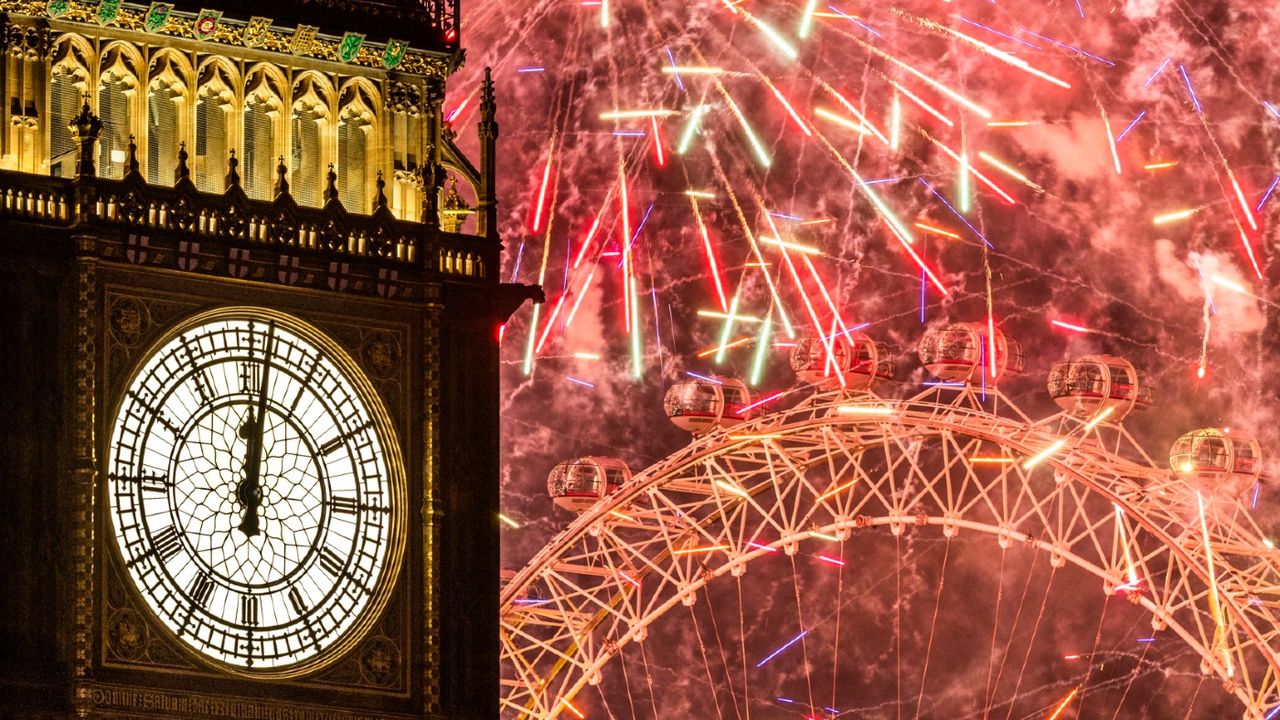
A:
838	464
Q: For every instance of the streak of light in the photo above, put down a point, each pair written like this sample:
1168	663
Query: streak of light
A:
775	37
855	112
636	114
679	70
725	316
1146	640
657	142
895	122
712	264
990	29
1070	326
716	348
991	339
1190	90
582	293
831	560
679	80
1008	170
762	346
604	13
778	652
998	54
823	536
865	410
1071	48
732	489
938	231
530	69
765	548
1159	166
700	194
628	578
629	133
1159	70
837	490
1111	141
1215	604
551	321
565	701
920	261
755	436
940	87
1248	248
1124	542
1244	204
576	381
1230	284
703	377
806	19
842	121
957	213
622	516
690	129
542	190
691	551
1267	195
508	521
457	110
795	116
1131	125
806	249
784	216
967	166
591	233
1043	454
1070	696
980	460
1174	216
840	13
760	402
756	147
927	107
1009	123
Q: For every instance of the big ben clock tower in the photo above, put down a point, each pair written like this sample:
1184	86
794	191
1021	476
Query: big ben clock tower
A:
248	364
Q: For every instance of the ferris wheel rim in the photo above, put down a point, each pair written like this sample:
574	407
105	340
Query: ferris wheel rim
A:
1073	461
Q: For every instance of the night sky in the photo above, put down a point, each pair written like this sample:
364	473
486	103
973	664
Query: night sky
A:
1140	215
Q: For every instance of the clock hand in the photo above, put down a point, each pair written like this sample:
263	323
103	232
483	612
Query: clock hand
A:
249	491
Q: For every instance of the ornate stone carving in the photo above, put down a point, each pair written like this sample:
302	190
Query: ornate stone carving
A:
127	634
381	354
128	319
380	662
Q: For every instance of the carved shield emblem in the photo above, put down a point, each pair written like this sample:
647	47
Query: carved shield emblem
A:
57	8
350	46
108	12
255	33
394	53
157	16
206	24
303	39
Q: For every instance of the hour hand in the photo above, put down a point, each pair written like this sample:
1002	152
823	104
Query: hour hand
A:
249	491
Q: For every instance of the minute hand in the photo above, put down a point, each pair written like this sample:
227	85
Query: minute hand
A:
250	490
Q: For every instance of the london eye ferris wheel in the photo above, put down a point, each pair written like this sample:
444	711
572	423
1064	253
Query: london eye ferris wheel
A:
891	510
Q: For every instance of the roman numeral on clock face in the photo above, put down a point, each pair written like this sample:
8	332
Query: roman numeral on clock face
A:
200	590
344	505
167	543
295	599
330	561
249	610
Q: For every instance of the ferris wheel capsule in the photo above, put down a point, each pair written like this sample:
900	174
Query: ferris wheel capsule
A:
959	352
577	484
856	356
700	404
1217	461
1093	383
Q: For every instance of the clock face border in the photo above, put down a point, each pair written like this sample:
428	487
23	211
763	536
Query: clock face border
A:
378	602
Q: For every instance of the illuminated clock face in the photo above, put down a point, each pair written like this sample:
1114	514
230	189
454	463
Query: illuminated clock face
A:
254	491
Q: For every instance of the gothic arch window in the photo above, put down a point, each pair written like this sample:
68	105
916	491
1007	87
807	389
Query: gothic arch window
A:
215	123
69	81
357	130
167	100
262	130
117	106
310	132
